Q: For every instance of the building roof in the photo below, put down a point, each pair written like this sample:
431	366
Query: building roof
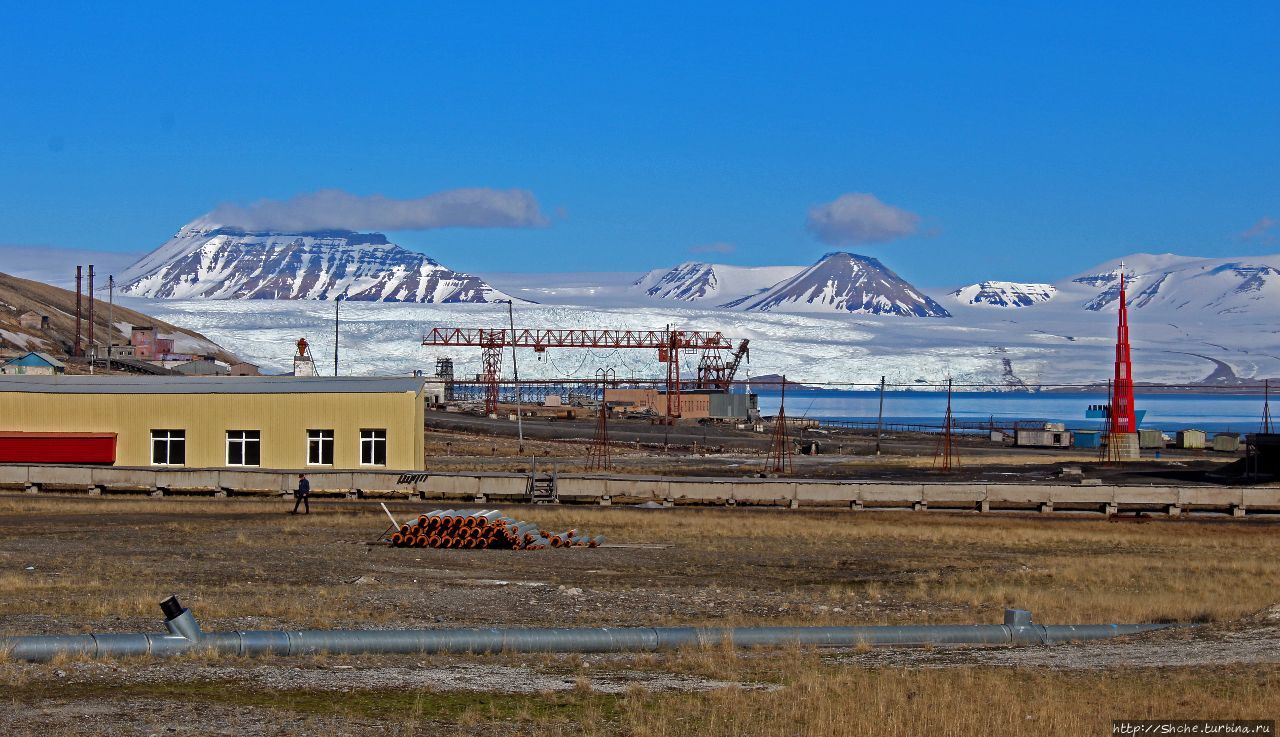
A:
42	357
209	384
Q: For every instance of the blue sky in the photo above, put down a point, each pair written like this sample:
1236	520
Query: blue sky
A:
1026	143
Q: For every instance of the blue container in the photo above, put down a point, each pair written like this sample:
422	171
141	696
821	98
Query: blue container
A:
1086	439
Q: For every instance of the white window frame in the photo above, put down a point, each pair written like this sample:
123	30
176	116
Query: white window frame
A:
169	437
244	443
318	438
370	437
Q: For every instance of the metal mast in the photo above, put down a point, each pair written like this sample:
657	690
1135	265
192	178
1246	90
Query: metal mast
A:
1122	434
598	456
946	451
92	349
780	450
111	308
1122	415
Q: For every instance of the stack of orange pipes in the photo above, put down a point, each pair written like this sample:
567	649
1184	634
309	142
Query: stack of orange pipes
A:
449	528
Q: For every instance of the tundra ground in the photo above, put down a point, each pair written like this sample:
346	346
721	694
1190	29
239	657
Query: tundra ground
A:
75	564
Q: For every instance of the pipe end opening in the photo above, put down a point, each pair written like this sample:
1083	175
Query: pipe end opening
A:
171	607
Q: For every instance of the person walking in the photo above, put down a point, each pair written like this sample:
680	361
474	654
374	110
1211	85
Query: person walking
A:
300	496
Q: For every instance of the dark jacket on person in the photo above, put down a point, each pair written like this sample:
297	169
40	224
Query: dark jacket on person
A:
304	487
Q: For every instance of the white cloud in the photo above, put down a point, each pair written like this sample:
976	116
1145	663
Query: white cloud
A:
1260	229
57	266
333	209
713	248
859	217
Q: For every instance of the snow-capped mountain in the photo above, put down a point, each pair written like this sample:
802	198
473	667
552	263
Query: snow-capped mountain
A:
1004	294
208	260
844	282
1184	285
694	281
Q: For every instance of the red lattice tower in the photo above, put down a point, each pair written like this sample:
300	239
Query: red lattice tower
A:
1123	419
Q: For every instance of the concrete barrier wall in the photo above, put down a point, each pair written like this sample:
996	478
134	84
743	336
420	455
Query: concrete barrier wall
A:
669	490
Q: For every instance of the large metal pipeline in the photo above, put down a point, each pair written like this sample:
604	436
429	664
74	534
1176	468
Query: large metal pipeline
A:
185	636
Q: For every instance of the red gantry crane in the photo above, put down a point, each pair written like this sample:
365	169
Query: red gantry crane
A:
713	371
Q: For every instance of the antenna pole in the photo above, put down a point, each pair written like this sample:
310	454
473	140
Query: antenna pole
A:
880	418
111	308
92	350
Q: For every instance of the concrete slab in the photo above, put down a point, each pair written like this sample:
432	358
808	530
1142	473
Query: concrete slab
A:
112	479
1020	494
261	481
890	494
829	492
62	476
14	477
195	480
765	491
451	486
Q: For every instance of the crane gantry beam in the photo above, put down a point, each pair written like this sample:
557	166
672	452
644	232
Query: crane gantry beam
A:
668	343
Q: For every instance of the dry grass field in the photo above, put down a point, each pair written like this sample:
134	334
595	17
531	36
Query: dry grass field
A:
102	564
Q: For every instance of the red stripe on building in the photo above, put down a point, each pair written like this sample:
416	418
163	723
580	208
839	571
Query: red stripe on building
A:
58	447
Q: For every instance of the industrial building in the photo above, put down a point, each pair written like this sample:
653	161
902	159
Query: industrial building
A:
1049	435
694	404
214	422
33	363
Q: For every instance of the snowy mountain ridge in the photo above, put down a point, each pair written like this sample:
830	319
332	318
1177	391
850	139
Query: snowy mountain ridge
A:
695	281
207	260
1183	285
845	282
1004	294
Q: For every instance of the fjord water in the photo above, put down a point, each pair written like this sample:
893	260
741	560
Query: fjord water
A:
1210	411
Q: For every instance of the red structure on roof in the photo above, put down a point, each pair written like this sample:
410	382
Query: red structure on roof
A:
1122	414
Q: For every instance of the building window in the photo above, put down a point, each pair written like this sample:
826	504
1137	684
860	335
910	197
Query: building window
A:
168	447
320	447
244	448
373	447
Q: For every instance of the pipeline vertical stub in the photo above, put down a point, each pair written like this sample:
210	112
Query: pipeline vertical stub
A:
171	607
179	620
1017	618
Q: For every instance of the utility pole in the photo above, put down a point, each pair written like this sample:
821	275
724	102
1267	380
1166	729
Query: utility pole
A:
111	309
75	350
880	418
515	371
92	350
336	302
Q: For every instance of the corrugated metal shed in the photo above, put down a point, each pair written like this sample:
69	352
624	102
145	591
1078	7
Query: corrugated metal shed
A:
1150	439
1226	442
1191	439
734	405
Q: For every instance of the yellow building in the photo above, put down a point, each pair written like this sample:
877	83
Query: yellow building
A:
276	422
